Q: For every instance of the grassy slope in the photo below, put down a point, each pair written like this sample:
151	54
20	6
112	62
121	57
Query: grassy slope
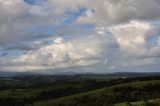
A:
69	99
21	93
139	103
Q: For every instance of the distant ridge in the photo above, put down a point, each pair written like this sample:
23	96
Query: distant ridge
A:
12	74
114	74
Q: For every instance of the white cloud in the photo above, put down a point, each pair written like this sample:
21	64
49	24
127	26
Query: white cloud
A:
134	48
17	17
59	40
61	54
115	47
108	12
120	39
132	37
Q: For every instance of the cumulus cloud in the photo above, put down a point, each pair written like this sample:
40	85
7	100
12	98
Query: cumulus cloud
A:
124	45
17	17
106	12
109	12
125	34
132	37
134	47
61	54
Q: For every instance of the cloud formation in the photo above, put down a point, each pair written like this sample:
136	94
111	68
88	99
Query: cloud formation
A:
109	12
18	17
113	11
62	54
113	34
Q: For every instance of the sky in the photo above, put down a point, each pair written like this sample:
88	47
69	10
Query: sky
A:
100	36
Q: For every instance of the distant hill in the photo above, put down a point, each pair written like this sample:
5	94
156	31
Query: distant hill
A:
116	74
11	74
134	74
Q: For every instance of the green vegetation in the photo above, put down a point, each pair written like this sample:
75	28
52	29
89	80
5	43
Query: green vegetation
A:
69	100
80	90
155	102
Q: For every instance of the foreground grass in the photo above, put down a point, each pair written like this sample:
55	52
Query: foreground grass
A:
139	103
70	99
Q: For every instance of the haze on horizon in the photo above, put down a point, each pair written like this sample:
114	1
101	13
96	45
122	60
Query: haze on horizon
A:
80	35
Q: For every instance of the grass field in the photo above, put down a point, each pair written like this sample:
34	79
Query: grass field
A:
69	99
139	103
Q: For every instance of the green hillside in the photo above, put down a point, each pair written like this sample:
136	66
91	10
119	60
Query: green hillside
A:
155	102
78	90
70	100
